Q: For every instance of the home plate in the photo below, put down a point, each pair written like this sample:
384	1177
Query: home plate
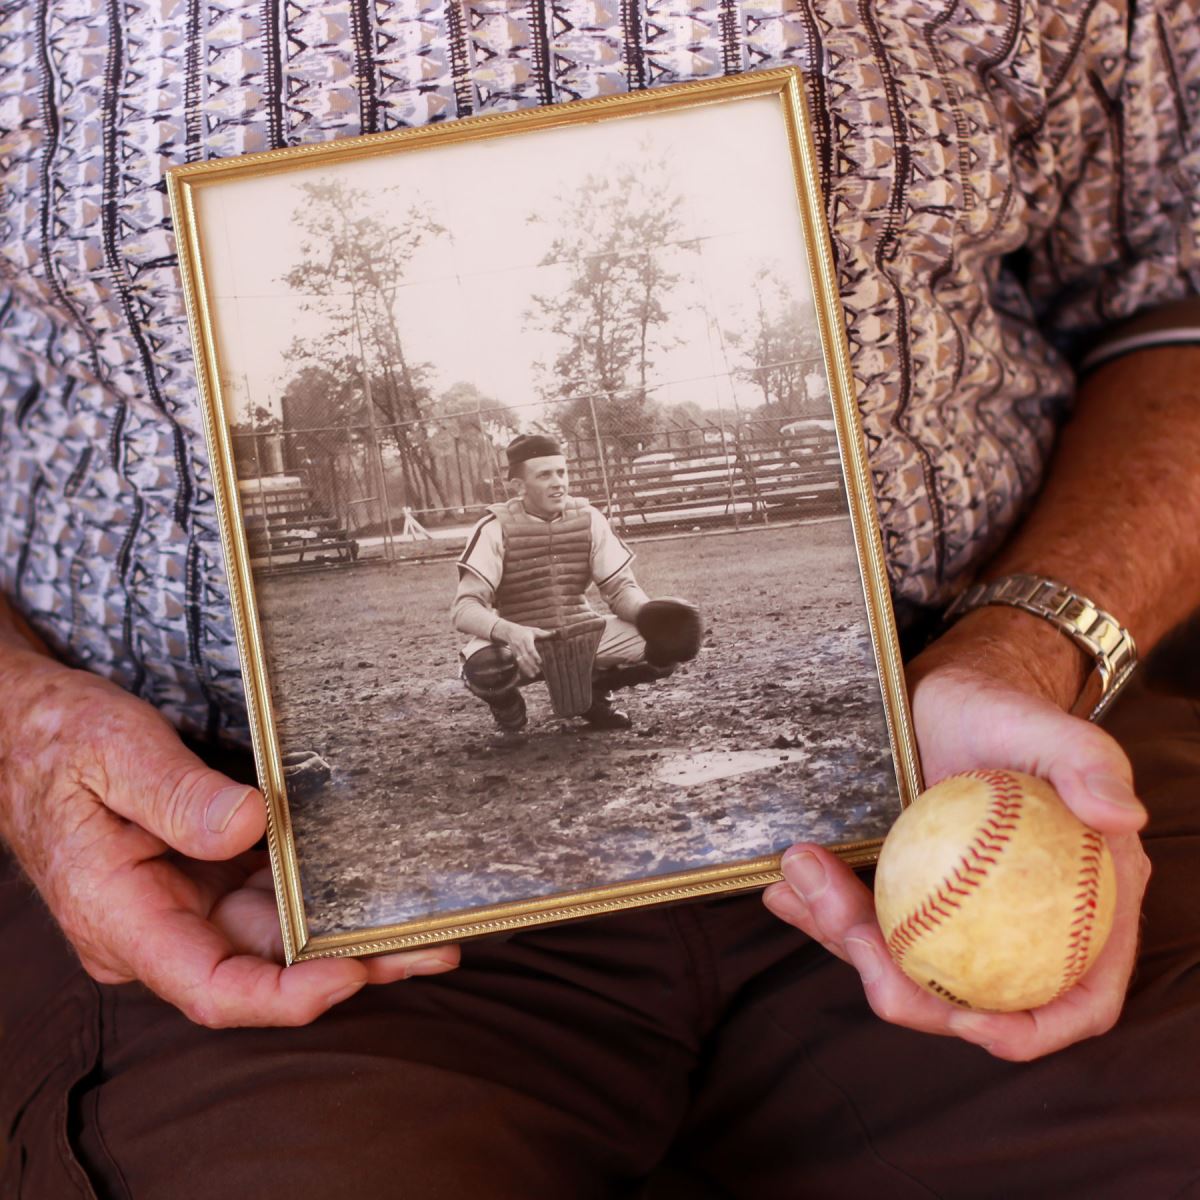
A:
718	764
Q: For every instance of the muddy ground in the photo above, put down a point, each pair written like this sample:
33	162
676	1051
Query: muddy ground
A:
773	734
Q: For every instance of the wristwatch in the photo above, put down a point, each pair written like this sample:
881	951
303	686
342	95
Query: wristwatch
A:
1092	629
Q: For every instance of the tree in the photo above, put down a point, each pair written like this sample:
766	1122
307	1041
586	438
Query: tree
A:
475	413
321	405
683	424
624	251
253	438
779	344
468	443
353	260
323	413
322	419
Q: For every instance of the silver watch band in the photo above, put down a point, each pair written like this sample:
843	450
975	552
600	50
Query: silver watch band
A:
1097	632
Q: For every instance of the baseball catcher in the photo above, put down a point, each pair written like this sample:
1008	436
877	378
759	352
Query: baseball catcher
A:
521	597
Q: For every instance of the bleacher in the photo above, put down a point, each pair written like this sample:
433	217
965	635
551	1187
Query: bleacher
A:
287	529
792	474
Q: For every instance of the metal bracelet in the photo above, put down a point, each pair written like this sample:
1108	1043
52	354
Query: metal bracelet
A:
1088	626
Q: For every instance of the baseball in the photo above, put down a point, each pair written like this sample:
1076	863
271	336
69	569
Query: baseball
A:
992	894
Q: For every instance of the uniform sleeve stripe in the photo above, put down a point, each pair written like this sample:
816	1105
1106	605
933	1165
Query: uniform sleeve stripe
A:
628	560
474	538
464	566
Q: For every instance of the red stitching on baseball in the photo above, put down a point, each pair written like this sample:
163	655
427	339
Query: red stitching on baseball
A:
982	853
1087	897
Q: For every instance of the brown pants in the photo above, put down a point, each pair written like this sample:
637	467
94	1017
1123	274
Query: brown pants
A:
569	1062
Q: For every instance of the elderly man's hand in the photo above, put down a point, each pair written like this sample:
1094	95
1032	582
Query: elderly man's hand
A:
143	855
978	711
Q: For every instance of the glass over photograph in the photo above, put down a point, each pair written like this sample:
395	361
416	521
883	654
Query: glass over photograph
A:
541	489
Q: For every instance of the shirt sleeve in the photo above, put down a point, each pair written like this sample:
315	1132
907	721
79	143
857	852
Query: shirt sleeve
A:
623	595
484	553
609	553
473	611
1125	129
1175	324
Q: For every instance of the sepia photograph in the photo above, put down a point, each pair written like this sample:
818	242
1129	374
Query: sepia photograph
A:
539	476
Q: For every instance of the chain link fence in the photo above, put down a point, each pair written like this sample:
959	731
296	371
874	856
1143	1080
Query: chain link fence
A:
362	490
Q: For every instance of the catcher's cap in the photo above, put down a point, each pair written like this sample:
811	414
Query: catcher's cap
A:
530	445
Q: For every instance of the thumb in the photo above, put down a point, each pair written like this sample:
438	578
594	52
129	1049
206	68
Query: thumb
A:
1087	768
1096	784
158	783
966	718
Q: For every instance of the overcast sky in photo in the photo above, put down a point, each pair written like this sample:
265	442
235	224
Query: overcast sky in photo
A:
465	300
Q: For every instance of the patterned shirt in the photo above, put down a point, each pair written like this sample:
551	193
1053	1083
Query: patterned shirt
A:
1002	180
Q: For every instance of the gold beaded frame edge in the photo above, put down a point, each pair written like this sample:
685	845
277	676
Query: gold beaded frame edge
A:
183	182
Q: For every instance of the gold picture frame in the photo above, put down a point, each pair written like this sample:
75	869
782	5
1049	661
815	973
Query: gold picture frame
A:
398	221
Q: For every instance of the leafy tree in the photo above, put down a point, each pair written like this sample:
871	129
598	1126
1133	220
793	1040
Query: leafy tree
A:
353	259
471	431
779	344
475	412
256	418
251	437
684	423
624	250
323	411
317	397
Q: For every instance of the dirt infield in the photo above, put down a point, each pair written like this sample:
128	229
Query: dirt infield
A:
774	733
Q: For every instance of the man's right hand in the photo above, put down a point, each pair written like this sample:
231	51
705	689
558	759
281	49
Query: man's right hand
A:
142	853
522	641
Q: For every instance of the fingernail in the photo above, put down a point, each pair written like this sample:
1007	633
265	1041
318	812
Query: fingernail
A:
222	808
427	966
781	900
344	993
1112	789
805	873
973	1027
866	961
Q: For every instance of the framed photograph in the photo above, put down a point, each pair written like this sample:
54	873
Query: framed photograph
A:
549	530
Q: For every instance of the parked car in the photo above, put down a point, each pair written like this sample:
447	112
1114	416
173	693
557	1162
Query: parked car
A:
652	478
805	436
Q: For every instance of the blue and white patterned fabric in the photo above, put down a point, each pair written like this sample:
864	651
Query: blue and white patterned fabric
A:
1002	178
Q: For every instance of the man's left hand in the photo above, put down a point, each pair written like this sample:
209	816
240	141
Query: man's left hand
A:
988	715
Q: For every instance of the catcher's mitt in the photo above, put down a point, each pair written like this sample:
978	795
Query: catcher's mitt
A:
671	629
567	660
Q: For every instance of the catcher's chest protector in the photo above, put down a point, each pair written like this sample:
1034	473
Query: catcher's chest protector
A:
547	566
